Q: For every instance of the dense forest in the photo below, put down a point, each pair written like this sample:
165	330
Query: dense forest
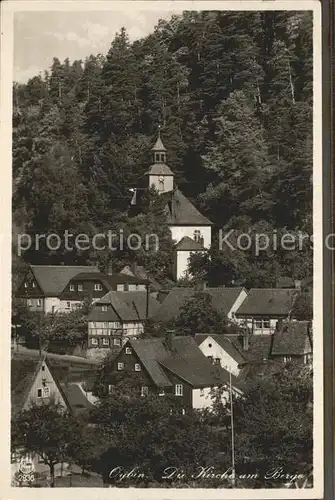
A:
232	92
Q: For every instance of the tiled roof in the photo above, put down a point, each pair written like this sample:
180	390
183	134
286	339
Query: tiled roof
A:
186	243
268	302
259	346
223	300
184	359
128	306
225	342
259	369
159	169
76	398
293	339
179	210
53	279
142	273
111	279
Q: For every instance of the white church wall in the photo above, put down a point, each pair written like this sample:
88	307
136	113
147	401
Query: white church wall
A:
154	180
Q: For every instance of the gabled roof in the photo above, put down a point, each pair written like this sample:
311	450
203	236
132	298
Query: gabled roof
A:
294	338
224	342
258	369
141	272
53	279
184	359
268	302
259	346
159	169
186	243
23	375
128	306
223	300
181	211
111	279
76	398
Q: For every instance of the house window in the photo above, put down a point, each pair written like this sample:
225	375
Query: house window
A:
120	288
144	390
97	287
287	359
68	305
211	359
71	288
162	157
179	390
39	393
202	392
137	367
29	302
217	361
128	350
104	308
111	388
262	323
266	323
46	392
120	366
105	341
156	156
94	341
43	368
39	302
307	358
80	288
117	342
26	285
34	285
258	324
161	392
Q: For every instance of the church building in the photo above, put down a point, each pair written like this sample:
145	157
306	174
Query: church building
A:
190	230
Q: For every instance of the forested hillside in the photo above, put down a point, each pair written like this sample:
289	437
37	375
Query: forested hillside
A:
232	92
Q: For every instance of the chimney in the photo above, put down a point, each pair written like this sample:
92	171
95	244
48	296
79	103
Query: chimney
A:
169	338
133	267
245	340
109	269
297	284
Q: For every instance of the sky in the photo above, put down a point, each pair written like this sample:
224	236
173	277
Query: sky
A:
40	36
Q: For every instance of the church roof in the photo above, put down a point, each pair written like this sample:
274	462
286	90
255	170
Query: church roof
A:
181	211
159	146
186	243
159	169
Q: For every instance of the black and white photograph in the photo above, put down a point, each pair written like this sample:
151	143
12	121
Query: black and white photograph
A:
166	249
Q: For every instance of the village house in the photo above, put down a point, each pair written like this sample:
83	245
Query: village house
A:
140	272
191	231
33	382
51	289
173	365
220	350
224	300
264	307
293	343
118	316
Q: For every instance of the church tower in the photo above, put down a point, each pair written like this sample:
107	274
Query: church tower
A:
159	174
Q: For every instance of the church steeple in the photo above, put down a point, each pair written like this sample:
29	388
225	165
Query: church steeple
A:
159	151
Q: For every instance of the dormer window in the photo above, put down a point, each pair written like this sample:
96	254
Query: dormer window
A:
97	287
34	285
80	288
157	157
104	308
26	285
71	288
